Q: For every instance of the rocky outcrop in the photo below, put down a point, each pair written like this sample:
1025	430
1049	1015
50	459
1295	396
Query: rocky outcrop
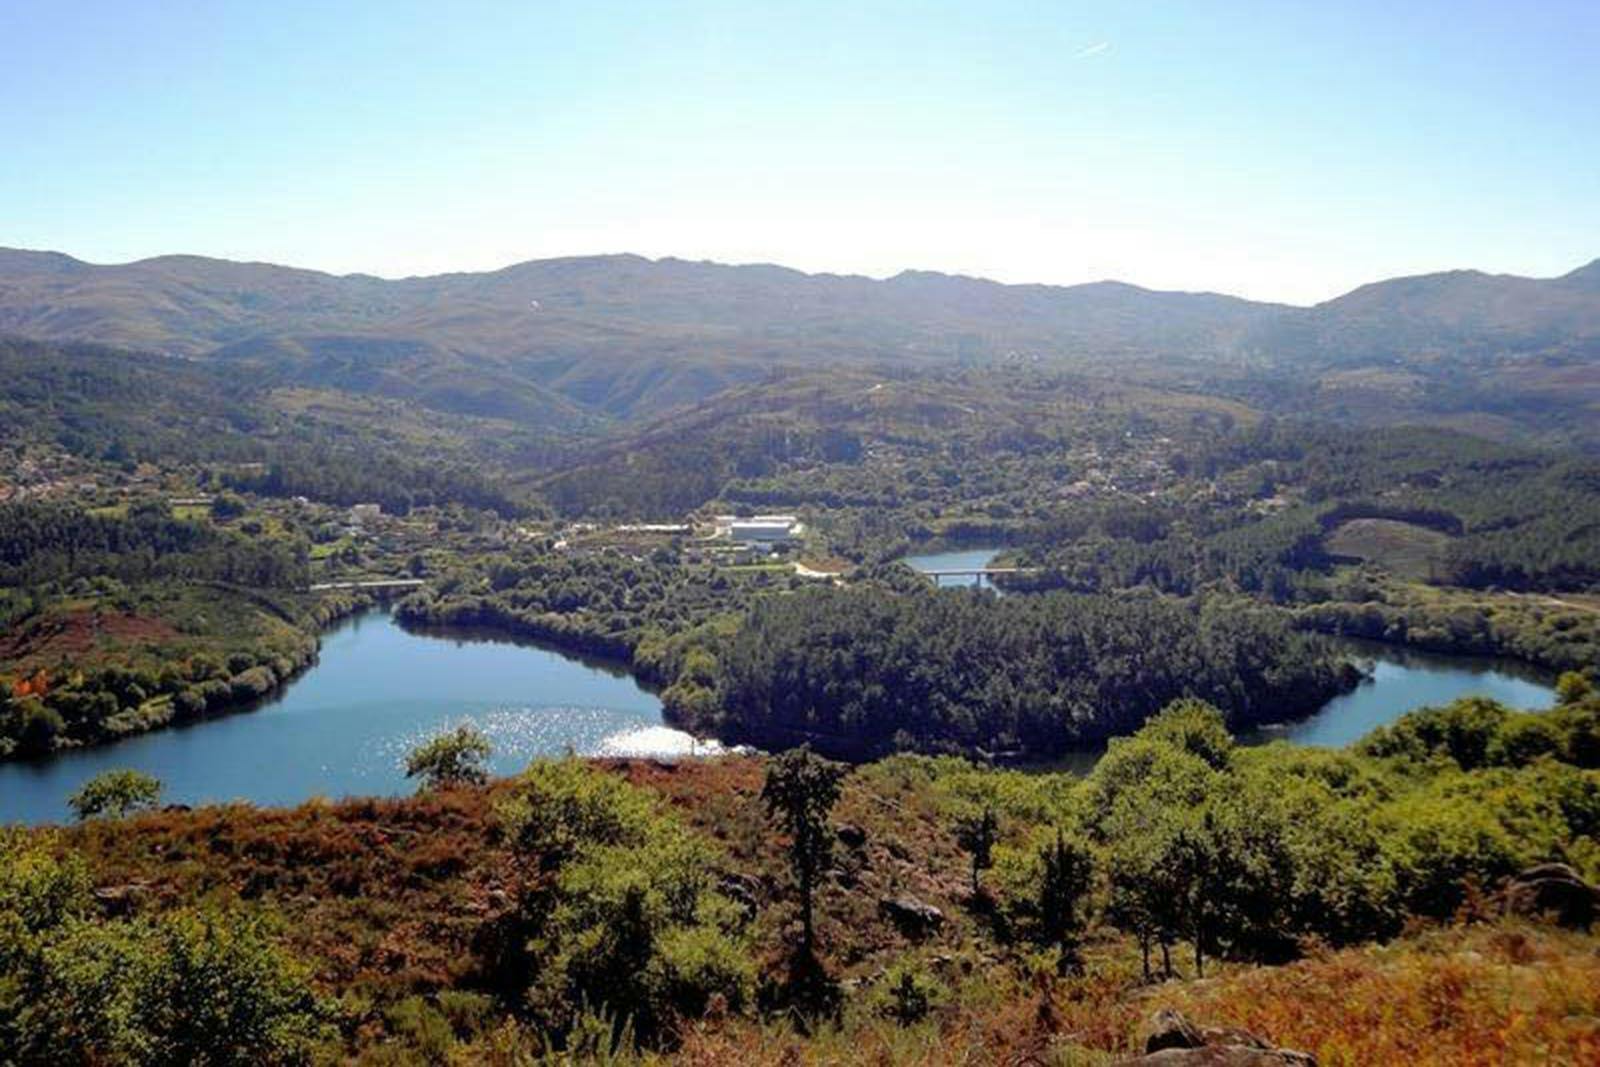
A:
851	835
120	901
912	916
1556	891
1171	1029
1172	1040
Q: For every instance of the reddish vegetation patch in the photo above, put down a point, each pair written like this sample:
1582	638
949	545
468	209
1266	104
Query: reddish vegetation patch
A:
380	894
392	897
389	893
72	635
1487	995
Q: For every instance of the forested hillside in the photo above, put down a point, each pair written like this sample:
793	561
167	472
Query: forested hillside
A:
124	408
567	342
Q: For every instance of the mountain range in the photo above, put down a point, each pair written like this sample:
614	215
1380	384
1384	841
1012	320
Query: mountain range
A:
562	341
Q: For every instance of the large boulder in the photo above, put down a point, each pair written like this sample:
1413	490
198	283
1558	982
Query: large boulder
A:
1554	890
1171	1039
1171	1029
912	916
1225	1056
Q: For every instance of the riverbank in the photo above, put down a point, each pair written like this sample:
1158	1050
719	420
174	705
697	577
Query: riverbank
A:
85	671
344	727
1544	632
1373	926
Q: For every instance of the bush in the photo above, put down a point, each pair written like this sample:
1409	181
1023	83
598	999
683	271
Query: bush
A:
252	684
908	993
451	759
617	911
187	988
115	794
190	987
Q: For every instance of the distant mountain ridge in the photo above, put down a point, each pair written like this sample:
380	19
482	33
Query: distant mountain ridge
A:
622	335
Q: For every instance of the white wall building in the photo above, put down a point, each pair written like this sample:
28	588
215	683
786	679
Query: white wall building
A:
760	529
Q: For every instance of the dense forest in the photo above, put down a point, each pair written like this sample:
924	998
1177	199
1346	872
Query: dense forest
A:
50	542
646	611
125	408
975	673
1512	517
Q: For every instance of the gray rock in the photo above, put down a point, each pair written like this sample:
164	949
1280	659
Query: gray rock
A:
1172	1040
1224	1056
121	900
1172	1029
1554	890
912	916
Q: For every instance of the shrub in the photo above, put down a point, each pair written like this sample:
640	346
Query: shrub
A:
616	910
191	987
908	993
451	759
252	684
115	794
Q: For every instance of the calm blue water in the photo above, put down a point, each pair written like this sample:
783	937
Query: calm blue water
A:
1402	680
344	727
944	561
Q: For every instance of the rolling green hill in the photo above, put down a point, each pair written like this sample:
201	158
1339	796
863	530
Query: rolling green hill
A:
577	343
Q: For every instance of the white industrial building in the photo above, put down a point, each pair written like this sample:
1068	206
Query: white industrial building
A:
760	529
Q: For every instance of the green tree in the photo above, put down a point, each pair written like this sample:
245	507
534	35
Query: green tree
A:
1067	877
977	832
1572	687
615	909
456	758
42	889
227	506
800	792
115	794
205	988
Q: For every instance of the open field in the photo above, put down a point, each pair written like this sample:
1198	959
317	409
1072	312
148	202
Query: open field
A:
1404	548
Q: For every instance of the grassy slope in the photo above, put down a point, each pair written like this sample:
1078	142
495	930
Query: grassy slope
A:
1406	549
384	898
157	623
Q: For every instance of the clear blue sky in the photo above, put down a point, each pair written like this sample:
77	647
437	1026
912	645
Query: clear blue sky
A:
1286	150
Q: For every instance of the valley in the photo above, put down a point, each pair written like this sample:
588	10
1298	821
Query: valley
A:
1280	661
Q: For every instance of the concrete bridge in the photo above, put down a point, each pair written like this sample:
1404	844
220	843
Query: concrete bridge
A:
978	575
976	572
371	585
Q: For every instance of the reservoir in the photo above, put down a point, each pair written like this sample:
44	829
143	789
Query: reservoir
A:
344	726
959	559
1402	679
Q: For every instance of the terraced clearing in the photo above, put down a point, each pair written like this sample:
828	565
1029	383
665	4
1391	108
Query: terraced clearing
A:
1404	548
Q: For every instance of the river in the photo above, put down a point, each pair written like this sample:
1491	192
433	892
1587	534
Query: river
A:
955	560
344	726
1402	679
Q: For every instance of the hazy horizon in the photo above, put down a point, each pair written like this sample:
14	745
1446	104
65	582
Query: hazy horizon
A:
256	261
1267	152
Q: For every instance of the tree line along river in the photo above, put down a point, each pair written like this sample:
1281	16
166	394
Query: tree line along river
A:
344	727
